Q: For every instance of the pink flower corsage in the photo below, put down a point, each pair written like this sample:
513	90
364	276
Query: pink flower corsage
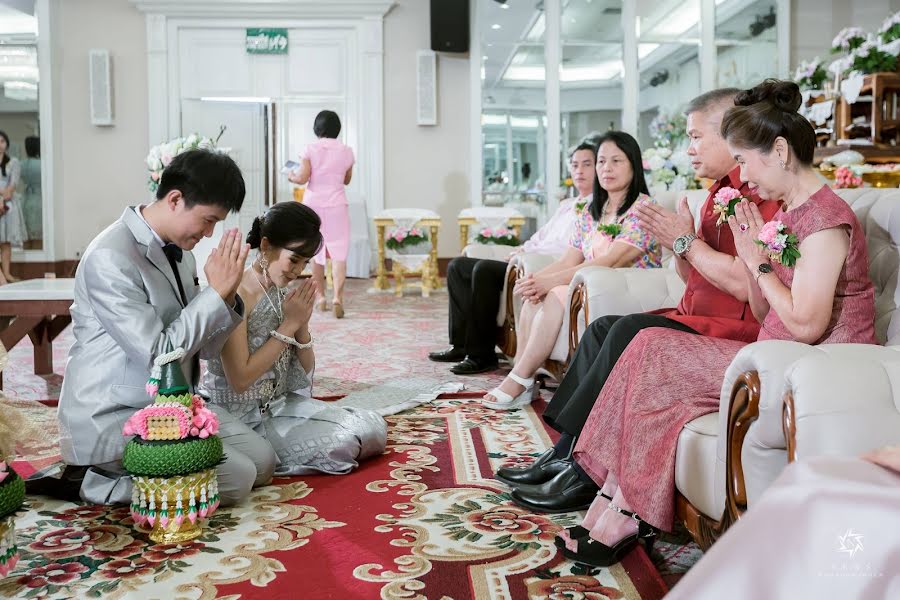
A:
844	177
781	245
724	202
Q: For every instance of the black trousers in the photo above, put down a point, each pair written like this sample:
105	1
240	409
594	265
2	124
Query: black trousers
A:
599	349
475	286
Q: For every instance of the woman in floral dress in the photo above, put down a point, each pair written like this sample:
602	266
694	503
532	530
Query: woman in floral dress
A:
606	234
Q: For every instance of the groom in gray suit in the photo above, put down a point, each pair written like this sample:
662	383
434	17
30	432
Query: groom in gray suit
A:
136	296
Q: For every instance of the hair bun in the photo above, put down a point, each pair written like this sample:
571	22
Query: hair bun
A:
784	95
254	238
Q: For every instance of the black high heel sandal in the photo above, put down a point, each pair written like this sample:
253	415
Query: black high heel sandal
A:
596	554
577	532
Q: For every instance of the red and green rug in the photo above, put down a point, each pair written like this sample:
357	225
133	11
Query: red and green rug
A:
425	520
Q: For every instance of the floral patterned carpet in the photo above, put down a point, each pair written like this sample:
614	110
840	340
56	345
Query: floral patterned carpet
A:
425	520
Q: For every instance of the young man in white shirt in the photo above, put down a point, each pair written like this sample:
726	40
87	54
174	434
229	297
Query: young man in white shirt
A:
475	284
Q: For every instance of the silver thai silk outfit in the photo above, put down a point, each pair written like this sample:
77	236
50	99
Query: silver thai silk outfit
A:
128	310
308	435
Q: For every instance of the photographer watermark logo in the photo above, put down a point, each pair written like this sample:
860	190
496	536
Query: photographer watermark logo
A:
850	543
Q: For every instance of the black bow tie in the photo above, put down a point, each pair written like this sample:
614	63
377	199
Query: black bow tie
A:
173	252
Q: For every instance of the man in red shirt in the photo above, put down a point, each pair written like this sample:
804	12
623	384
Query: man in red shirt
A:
715	303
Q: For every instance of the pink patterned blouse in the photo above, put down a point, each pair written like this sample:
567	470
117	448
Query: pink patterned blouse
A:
593	242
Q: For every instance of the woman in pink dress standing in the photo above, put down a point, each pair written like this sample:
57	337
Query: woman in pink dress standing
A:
326	166
666	377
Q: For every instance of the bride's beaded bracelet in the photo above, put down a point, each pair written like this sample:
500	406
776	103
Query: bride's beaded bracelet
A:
291	341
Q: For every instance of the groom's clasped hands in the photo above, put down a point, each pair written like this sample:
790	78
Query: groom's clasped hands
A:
225	265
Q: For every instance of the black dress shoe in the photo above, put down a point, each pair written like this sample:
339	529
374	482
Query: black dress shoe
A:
471	366
452	354
565	492
545	468
66	487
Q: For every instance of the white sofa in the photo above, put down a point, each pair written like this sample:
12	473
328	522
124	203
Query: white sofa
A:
842	399
587	303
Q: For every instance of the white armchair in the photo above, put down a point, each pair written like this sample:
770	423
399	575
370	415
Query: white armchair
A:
779	398
599	291
600	297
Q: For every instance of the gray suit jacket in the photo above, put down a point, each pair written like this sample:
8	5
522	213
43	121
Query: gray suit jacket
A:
127	310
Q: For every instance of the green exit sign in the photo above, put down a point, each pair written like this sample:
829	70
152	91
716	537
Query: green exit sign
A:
267	41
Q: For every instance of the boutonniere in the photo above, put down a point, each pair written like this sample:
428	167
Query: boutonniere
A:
612	229
579	206
781	245
724	202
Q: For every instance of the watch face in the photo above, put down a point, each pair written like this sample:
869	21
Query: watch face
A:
679	245
765	268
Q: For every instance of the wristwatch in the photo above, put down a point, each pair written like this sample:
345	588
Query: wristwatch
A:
683	244
762	269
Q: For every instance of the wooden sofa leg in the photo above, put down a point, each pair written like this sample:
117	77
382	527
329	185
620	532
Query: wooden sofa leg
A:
742	412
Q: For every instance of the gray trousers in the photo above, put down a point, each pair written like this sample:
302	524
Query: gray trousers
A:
249	462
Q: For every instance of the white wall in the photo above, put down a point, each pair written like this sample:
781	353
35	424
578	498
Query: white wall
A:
814	23
424	167
102	168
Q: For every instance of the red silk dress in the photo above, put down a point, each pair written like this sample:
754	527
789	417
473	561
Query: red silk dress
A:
666	377
704	307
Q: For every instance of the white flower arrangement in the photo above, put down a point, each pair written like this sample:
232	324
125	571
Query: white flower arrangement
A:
848	38
161	155
810	74
668	169
890	29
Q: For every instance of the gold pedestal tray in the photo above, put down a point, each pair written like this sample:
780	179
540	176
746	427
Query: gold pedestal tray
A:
882	179
166	492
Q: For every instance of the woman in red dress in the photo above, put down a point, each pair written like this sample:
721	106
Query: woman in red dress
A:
628	443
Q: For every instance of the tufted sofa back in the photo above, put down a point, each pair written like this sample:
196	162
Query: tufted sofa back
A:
878	210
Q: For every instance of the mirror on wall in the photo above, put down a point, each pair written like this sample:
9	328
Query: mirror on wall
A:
513	119
746	42
670	75
592	83
590	75
20	165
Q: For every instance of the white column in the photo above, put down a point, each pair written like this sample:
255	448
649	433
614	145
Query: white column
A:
476	165
53	196
631	78
783	35
708	50
157	79
509	150
552	61
372	126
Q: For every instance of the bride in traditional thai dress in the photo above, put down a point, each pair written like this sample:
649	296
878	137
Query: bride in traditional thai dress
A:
264	375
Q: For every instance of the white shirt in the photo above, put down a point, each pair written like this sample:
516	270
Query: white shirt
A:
140	213
553	237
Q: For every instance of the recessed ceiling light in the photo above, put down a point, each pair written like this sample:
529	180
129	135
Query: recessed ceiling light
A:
495	26
504	6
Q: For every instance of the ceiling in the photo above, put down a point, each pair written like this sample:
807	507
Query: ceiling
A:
512	36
